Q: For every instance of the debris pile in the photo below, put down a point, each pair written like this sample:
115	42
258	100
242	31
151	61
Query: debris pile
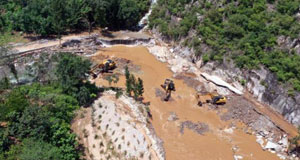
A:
199	128
173	117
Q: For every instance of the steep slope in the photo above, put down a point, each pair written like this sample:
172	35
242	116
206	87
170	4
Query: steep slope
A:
256	43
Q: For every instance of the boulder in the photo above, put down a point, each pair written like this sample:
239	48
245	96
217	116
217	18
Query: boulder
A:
273	146
237	157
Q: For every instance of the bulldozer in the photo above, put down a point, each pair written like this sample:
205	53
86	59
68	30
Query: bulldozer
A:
104	67
211	98
168	86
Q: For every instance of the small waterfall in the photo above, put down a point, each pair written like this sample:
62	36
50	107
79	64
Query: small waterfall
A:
145	20
132	41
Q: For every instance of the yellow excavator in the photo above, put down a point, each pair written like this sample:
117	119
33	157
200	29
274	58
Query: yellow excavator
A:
211	98
104	67
168	86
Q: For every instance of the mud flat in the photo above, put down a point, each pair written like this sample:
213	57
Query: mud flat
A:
222	139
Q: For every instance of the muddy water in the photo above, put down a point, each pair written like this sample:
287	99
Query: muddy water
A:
213	145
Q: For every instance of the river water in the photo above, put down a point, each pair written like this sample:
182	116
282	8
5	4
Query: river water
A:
216	144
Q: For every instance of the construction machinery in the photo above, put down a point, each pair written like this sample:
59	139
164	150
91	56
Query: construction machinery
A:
168	86
211	98
104	67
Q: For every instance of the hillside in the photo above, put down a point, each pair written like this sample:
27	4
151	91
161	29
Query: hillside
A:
245	31
257	42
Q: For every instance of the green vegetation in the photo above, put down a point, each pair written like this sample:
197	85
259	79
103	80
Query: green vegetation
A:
72	72
112	78
55	17
244	30
133	86
38	116
294	144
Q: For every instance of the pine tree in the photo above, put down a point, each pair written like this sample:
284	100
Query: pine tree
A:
134	86
140	87
128	81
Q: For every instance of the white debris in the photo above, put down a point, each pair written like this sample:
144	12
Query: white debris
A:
284	141
273	146
259	140
281	156
228	130
218	81
237	157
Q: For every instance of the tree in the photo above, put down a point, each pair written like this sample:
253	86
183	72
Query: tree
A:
128	82
76	10
16	101
32	149
59	15
33	122
140	87
128	13
83	95
95	13
64	140
71	71
133	85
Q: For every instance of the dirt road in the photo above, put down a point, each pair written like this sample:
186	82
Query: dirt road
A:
218	143
50	43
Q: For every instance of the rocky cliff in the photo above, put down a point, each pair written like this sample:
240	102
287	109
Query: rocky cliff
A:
210	35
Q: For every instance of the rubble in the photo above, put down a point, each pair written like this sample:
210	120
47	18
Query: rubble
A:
173	117
237	157
199	128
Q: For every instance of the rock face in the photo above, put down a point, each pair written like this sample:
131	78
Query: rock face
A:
261	83
264	86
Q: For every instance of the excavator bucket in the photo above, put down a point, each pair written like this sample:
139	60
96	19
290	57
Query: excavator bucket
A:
168	86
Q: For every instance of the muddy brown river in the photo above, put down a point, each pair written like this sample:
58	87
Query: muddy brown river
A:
216	144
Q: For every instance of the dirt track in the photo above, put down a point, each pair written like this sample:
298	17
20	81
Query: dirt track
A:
214	144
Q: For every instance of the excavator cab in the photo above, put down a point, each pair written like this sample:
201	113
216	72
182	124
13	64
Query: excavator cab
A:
108	65
218	99
168	86
211	98
105	66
